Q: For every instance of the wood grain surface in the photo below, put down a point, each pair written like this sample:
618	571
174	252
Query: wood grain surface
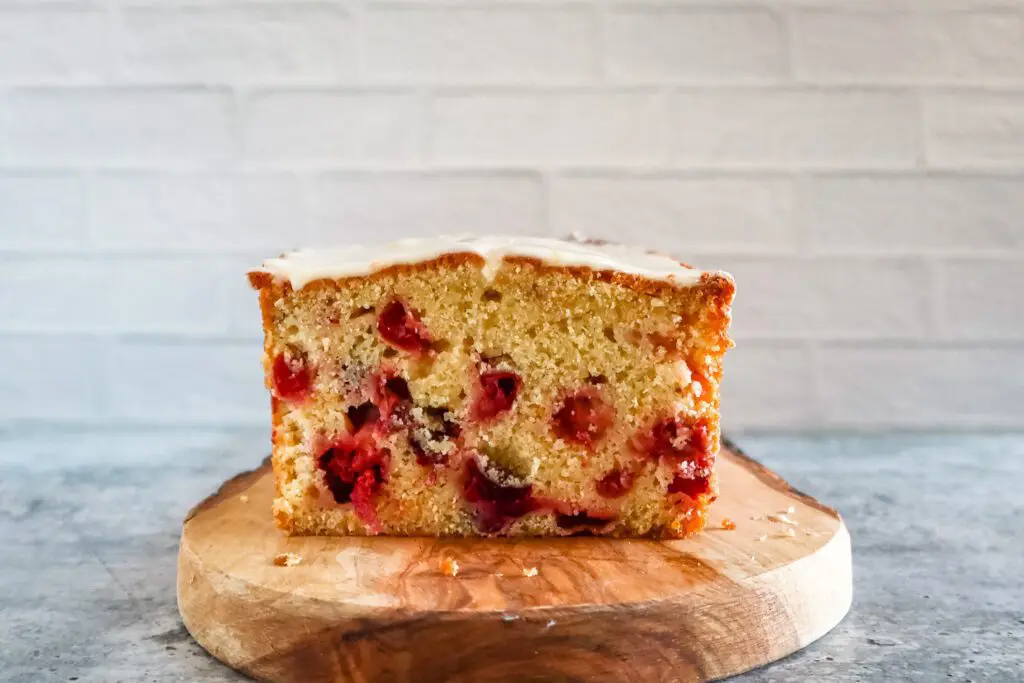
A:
575	609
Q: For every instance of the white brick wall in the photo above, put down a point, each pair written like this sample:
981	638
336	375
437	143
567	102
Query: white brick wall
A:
857	164
974	128
160	212
434	203
84	127
324	127
781	127
480	44
35	46
237	44
679	212
669	44
551	128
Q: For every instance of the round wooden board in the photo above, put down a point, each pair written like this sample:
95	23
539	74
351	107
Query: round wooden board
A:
381	609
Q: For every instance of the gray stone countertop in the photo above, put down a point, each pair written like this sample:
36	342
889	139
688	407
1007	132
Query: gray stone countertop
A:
89	524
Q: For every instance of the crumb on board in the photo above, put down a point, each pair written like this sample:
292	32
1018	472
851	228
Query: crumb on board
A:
449	567
530	572
788	532
244	498
287	559
782	519
728	524
763	537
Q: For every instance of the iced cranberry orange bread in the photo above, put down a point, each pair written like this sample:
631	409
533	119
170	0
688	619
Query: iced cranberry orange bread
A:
485	386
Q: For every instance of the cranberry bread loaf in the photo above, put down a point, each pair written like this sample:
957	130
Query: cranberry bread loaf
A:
463	386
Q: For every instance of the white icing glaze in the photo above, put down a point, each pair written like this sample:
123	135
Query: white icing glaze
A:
306	265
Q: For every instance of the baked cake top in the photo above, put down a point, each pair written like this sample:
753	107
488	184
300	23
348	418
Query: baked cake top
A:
304	266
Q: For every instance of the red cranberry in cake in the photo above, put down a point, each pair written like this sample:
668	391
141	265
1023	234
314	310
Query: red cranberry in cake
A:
496	394
338	476
392	397
691	487
344	461
402	328
687	448
363	416
496	504
493	386
353	472
291	377
363	493
698	449
397	389
583	417
615	484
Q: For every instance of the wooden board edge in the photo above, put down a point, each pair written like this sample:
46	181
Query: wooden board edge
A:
228	488
830	601
794	602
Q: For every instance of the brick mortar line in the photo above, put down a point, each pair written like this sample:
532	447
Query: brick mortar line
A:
703	86
1011	170
459	88
573	171
845	7
440	5
568	172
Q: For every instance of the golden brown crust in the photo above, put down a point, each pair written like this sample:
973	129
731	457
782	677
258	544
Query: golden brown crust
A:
721	283
260	280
